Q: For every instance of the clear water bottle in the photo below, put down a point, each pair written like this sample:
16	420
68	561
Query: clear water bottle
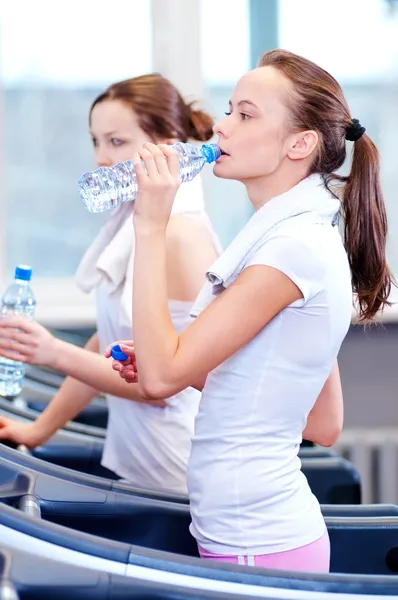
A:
18	299
107	187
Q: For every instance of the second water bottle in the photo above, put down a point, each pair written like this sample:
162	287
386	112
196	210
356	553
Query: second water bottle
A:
17	300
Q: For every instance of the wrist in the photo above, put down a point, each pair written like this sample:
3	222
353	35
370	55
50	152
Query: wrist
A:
144	227
57	360
38	433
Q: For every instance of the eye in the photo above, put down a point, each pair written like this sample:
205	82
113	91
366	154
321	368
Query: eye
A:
228	114
95	143
116	142
244	116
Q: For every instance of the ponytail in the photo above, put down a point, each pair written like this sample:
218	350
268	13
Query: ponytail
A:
200	125
365	230
317	103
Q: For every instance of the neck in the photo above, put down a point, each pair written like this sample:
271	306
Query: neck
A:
262	189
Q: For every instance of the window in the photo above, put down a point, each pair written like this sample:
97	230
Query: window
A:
225	58
54	62
359	47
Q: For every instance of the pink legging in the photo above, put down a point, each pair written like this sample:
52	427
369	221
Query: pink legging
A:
314	557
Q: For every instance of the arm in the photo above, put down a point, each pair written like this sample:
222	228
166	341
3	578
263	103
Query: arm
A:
31	343
71	398
185	276
325	421
168	362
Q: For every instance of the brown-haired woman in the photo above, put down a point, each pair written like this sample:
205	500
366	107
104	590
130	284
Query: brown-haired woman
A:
277	306
147	443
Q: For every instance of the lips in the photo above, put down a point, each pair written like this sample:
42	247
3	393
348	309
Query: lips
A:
223	153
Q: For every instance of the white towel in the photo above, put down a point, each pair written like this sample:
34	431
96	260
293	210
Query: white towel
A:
111	254
309	200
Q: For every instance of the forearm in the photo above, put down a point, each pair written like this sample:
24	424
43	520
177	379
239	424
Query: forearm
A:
156	341
71	398
88	374
325	420
94	370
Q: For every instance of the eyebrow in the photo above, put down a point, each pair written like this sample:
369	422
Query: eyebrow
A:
108	133
244	102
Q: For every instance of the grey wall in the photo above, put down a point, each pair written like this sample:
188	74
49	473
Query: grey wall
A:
369	372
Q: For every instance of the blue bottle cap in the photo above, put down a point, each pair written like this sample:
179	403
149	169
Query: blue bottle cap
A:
23	272
118	354
211	152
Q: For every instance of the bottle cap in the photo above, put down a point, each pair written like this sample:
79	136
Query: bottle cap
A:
23	272
118	354
210	152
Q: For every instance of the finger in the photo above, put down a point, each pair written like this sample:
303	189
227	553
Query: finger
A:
173	160
139	169
121	363
129	350
130	378
130	371
117	366
159	158
5	421
12	355
17	323
127	343
13	345
149	163
17	336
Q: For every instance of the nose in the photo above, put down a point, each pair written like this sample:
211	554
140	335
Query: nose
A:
222	128
101	157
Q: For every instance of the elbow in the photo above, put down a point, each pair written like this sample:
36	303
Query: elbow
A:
323	433
155	390
329	437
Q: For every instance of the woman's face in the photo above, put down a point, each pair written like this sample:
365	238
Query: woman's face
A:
115	132
254	133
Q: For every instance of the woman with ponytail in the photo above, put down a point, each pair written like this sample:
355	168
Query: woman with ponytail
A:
276	306
147	442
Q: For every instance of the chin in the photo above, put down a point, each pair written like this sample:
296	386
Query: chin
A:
223	171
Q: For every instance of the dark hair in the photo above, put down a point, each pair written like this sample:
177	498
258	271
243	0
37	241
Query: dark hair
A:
162	112
317	102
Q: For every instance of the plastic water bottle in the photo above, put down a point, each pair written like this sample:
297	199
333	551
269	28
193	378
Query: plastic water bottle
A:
18	299
107	187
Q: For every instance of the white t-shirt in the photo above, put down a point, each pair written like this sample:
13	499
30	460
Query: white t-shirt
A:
247	493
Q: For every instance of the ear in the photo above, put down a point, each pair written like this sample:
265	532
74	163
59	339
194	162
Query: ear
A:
302	145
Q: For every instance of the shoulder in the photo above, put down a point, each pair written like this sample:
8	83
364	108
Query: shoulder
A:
190	233
299	253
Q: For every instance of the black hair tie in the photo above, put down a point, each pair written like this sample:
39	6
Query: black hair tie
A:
354	131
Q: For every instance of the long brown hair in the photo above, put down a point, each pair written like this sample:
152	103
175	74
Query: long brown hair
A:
317	102
161	110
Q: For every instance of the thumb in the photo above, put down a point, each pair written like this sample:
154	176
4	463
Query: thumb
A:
129	350
5	432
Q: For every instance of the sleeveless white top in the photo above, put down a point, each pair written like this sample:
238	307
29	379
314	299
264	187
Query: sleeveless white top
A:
146	445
